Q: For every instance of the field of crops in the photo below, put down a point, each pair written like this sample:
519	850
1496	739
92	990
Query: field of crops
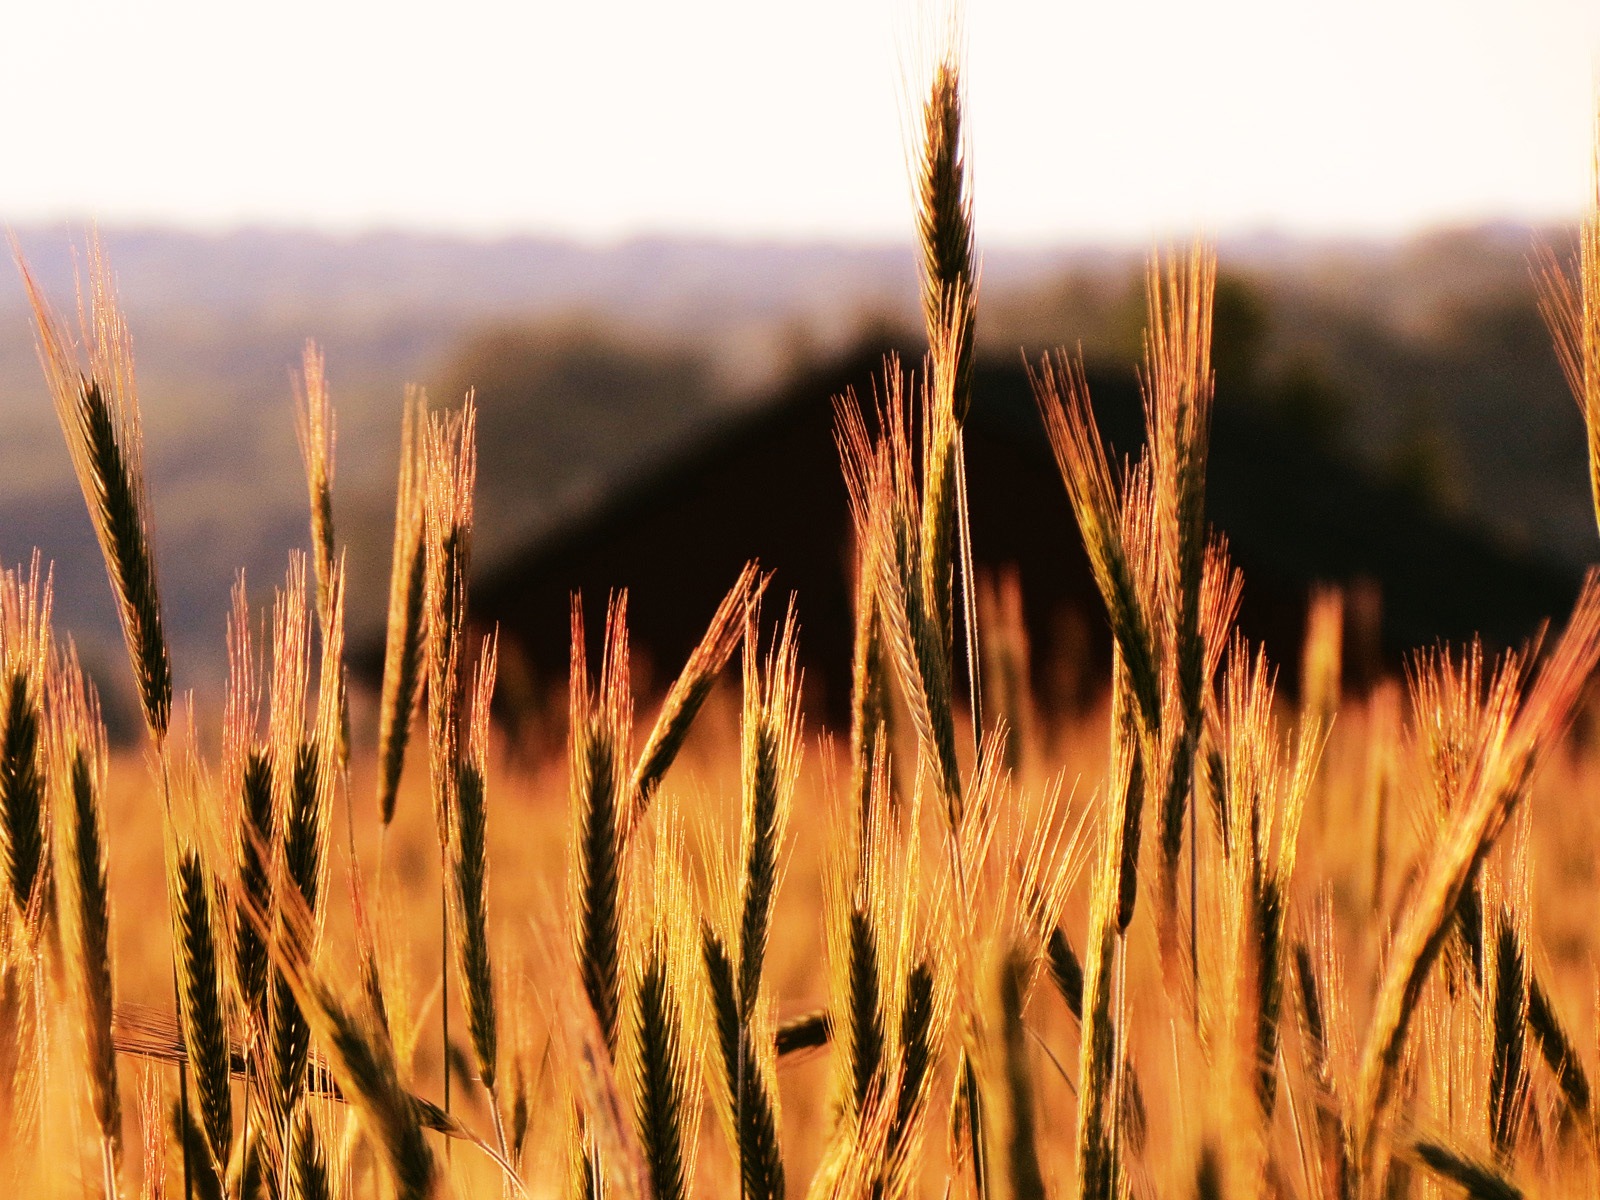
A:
1201	941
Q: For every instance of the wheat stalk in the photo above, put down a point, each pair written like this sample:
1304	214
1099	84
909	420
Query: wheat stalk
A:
1100	1169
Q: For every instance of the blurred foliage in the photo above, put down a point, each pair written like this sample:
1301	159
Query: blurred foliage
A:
1428	363
568	407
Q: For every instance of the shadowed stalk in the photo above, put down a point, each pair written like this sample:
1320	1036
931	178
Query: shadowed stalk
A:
1100	1170
204	1178
1208	1175
1022	1150
1322	656
1006	681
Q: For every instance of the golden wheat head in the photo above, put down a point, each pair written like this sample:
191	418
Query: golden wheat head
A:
98	406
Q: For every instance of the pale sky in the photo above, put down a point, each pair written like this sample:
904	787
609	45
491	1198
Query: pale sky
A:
1118	119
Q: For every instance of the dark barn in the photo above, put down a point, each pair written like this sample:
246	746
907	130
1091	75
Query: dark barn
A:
768	487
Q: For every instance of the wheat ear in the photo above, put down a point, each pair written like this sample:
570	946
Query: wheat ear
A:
771	746
406	639
601	729
80	757
1479	1180
98	407
1507	1004
451	457
749	1104
1571	307
25	601
944	228
202	994
1501	771
664	1067
470	893
688	693
358	1052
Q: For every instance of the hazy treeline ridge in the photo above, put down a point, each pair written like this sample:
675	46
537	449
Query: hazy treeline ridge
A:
1424	358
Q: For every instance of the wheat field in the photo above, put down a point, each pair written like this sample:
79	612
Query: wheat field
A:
1200	941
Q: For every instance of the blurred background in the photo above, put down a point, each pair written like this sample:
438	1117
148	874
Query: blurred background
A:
657	241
